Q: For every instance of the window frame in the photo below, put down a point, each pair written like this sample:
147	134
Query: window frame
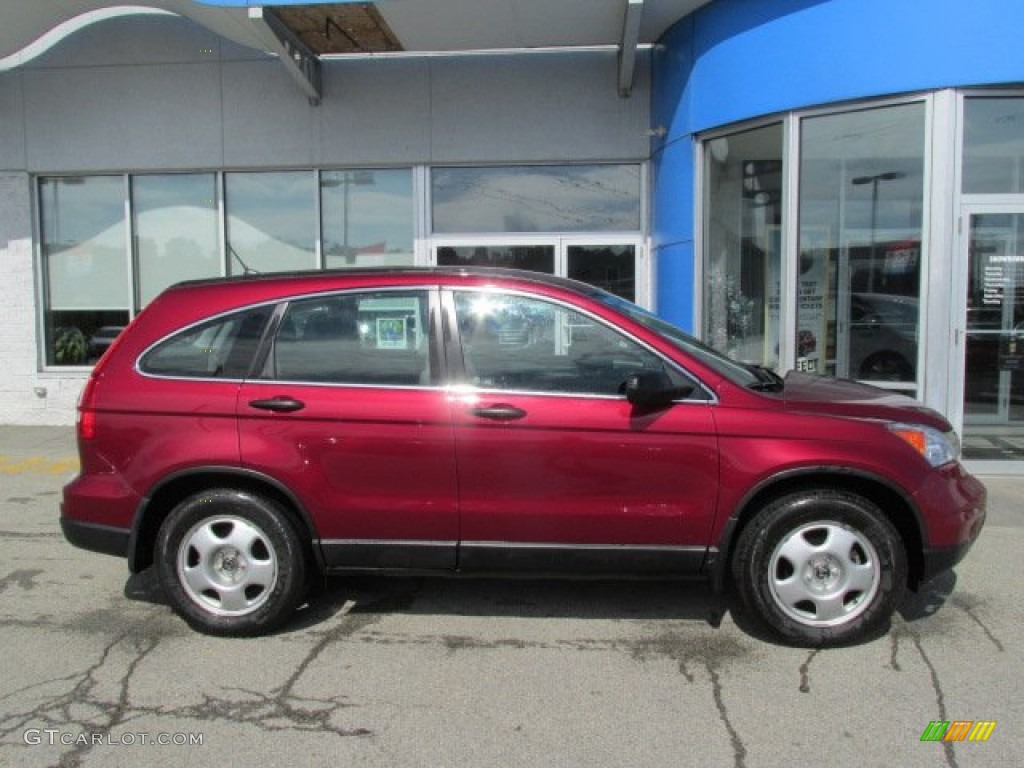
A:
132	263
265	371
424	245
457	376
257	355
792	122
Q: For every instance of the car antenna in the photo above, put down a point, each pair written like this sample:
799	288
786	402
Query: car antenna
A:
246	269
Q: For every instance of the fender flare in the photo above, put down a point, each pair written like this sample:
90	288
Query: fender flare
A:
137	560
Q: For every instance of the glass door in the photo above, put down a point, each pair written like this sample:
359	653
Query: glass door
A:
611	267
536	257
993	374
615	264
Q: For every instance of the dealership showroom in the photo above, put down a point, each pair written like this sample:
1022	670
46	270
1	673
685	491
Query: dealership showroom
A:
828	186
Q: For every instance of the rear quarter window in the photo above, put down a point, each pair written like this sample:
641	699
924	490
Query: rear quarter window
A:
218	349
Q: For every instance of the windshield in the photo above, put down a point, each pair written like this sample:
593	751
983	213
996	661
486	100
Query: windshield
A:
738	373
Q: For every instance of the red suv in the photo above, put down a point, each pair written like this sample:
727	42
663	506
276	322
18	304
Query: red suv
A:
245	435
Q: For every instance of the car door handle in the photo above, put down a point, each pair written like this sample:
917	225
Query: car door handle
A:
499	412
278	404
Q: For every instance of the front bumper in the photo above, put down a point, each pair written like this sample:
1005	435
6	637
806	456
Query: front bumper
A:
953	505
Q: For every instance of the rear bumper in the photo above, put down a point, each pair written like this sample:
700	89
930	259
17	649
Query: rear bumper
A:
104	539
96	514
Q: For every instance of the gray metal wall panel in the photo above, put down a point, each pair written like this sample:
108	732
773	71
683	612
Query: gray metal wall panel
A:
159	101
15	211
535	108
374	111
133	40
12	122
117	118
267	118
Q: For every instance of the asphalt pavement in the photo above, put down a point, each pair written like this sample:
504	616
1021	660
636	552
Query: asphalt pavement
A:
96	670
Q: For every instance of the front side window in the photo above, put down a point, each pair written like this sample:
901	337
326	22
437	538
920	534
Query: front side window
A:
738	373
224	348
85	265
512	342
372	339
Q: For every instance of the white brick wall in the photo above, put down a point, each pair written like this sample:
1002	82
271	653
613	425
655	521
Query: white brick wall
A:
27	395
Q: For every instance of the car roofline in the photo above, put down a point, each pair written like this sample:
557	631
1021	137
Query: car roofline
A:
503	273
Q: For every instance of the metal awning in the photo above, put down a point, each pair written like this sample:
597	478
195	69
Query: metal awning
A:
303	33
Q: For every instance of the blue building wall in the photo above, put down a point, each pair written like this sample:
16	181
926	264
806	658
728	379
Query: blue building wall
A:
735	60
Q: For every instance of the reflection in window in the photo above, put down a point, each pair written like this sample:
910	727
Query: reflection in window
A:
993	146
367	218
371	339
271	221
517	343
175	219
84	248
536	199
994	341
743	209
223	348
861	203
537	258
611	267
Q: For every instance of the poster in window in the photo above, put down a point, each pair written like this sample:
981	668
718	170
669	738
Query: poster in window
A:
812	290
391	333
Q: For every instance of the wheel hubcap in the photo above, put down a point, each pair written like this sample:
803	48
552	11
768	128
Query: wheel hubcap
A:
824	574
227	566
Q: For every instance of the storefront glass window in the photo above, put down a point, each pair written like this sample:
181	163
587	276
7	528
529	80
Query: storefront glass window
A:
592	198
536	258
367	218
743	216
611	267
271	221
860	209
175	221
993	146
84	248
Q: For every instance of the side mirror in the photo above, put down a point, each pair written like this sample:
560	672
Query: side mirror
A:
652	388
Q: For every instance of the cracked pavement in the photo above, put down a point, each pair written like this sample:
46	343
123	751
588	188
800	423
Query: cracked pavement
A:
442	672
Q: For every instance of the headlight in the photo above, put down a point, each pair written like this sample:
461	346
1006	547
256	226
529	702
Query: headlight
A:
936	447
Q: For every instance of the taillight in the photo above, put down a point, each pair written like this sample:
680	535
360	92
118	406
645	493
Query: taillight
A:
86	411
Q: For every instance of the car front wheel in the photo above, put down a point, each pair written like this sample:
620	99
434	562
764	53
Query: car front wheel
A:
230	563
821	567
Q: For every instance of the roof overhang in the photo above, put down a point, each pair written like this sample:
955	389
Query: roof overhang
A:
301	33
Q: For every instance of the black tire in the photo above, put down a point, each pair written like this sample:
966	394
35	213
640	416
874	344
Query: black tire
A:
821	567
231	563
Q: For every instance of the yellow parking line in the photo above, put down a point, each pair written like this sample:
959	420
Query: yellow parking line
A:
38	465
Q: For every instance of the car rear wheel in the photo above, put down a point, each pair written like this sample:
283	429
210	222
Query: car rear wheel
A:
230	562
821	567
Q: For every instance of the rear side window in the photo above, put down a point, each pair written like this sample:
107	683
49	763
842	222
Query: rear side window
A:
377	338
219	349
